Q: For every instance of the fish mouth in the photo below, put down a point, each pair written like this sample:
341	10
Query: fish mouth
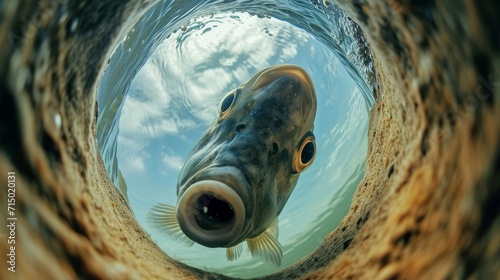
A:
212	211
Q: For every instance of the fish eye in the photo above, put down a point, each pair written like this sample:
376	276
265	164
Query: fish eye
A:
307	153
227	103
304	156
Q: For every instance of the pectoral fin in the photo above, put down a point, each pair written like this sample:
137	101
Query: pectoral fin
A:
266	246
232	253
163	218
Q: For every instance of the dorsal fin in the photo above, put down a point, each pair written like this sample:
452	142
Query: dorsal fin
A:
163	218
266	246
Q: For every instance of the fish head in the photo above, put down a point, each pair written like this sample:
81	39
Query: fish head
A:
242	171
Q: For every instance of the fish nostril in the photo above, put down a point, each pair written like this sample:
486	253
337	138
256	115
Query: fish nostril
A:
276	147
212	213
239	128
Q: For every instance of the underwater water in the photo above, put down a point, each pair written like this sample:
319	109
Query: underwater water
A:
162	86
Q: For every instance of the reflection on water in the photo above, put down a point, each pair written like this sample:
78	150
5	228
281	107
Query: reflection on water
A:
173	98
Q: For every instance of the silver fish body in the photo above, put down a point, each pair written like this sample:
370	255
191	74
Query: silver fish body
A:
238	177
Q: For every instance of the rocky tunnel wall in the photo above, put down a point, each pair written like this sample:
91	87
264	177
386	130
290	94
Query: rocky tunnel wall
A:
428	204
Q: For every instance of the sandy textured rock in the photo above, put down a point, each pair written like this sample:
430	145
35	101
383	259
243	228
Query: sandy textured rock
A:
428	206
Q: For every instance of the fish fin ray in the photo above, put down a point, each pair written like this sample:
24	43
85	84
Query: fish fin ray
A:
233	253
266	247
163	217
273	229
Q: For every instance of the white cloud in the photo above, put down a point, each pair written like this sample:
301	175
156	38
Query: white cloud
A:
150	119
173	161
289	51
344	135
136	163
134	155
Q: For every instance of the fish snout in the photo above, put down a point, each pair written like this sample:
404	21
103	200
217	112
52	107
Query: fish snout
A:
211	213
254	142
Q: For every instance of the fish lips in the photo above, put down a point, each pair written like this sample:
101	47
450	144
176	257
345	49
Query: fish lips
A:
213	208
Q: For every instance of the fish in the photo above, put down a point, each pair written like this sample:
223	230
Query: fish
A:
238	177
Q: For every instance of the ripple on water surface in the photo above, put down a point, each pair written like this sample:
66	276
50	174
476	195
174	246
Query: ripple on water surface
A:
149	122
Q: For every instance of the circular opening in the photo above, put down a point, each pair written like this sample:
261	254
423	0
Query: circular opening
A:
213	213
210	213
171	81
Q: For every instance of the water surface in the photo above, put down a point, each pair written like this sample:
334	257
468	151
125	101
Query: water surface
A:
162	86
